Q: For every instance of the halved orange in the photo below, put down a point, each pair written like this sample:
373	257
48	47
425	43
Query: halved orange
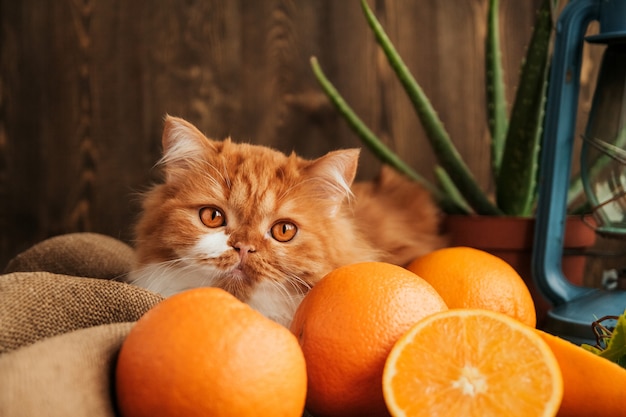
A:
471	362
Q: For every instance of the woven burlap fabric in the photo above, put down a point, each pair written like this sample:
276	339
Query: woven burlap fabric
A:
67	375
77	254
60	331
36	305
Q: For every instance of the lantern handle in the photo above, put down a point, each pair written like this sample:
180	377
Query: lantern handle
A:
559	132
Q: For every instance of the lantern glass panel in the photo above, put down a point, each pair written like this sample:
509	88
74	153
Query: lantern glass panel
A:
603	163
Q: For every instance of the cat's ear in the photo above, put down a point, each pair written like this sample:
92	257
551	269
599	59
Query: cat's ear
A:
336	170
183	145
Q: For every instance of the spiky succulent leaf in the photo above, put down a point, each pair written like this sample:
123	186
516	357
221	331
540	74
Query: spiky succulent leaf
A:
368	137
365	134
450	189
497	116
444	149
517	179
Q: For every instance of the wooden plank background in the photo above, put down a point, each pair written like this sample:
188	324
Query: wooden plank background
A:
84	86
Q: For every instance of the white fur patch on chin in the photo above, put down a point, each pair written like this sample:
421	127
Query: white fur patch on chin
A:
274	303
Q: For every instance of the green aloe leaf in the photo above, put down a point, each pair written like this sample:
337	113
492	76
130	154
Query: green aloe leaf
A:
444	149
497	117
386	155
461	206
365	134
517	179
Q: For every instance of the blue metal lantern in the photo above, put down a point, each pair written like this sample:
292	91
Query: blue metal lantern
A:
603	162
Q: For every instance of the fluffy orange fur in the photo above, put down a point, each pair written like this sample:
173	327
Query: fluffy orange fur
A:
266	226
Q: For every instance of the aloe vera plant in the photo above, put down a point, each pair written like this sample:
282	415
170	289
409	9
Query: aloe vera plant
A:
515	140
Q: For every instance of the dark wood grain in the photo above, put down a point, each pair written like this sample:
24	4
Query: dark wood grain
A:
85	84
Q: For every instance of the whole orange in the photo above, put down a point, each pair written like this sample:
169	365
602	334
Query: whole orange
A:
204	353
472	278
347	325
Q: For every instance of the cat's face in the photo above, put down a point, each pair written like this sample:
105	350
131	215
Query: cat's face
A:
262	225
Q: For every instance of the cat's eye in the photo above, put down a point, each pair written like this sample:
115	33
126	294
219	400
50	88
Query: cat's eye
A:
284	231
212	217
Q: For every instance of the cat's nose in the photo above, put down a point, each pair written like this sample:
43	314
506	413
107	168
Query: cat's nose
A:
244	249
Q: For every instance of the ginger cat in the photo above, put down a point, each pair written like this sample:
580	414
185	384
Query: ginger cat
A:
266	226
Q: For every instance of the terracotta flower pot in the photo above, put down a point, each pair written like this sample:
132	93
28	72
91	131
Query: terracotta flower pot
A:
511	238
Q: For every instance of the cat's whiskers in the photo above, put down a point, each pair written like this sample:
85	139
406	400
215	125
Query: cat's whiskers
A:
171	277
149	276
330	188
281	287
284	275
337	189
224	174
297	283
277	292
216	176
274	299
237	287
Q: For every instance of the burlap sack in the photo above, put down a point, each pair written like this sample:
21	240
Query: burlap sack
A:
36	305
67	375
60	332
76	254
